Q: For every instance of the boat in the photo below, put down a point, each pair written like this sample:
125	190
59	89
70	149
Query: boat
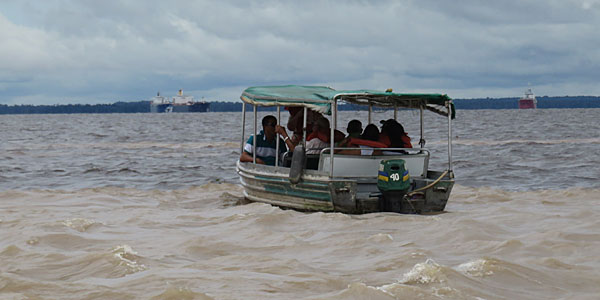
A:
179	103
355	184
528	101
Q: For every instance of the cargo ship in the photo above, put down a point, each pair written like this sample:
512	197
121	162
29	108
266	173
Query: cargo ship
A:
179	103
528	101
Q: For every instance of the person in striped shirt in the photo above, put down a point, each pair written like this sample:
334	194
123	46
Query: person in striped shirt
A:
265	144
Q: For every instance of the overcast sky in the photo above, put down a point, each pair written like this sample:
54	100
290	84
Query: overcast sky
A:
89	51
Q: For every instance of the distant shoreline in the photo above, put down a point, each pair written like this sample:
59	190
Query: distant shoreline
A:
144	106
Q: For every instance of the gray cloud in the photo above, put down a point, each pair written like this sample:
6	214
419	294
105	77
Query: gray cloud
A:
102	51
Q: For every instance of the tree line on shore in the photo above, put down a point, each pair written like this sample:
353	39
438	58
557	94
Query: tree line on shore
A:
221	106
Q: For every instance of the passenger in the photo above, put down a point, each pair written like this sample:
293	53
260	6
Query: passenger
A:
296	122
405	138
354	129
393	135
383	137
396	137
265	144
319	138
338	136
368	141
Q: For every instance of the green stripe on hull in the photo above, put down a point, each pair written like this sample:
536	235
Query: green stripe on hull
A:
300	193
310	184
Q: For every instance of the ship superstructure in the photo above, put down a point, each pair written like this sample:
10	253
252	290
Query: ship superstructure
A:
528	101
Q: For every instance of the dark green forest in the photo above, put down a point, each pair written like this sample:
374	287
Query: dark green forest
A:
144	106
118	107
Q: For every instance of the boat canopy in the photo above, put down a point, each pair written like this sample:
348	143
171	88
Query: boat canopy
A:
320	98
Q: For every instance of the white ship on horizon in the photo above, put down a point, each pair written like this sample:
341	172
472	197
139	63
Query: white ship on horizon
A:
179	103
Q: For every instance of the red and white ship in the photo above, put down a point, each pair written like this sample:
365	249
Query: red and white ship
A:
528	101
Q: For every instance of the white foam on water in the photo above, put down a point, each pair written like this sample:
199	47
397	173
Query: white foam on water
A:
447	292
79	224
128	257
381	238
478	268
359	290
424	273
390	288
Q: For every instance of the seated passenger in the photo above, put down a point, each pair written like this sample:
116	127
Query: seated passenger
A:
296	121
354	129
319	138
393	135
367	142
265	144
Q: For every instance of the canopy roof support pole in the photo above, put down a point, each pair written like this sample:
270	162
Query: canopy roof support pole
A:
277	137
370	111
449	107
254	137
422	140
304	128
332	137
243	128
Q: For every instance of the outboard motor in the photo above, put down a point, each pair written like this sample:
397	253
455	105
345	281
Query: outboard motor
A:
393	182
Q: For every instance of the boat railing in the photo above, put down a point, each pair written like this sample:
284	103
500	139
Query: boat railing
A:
349	166
398	151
